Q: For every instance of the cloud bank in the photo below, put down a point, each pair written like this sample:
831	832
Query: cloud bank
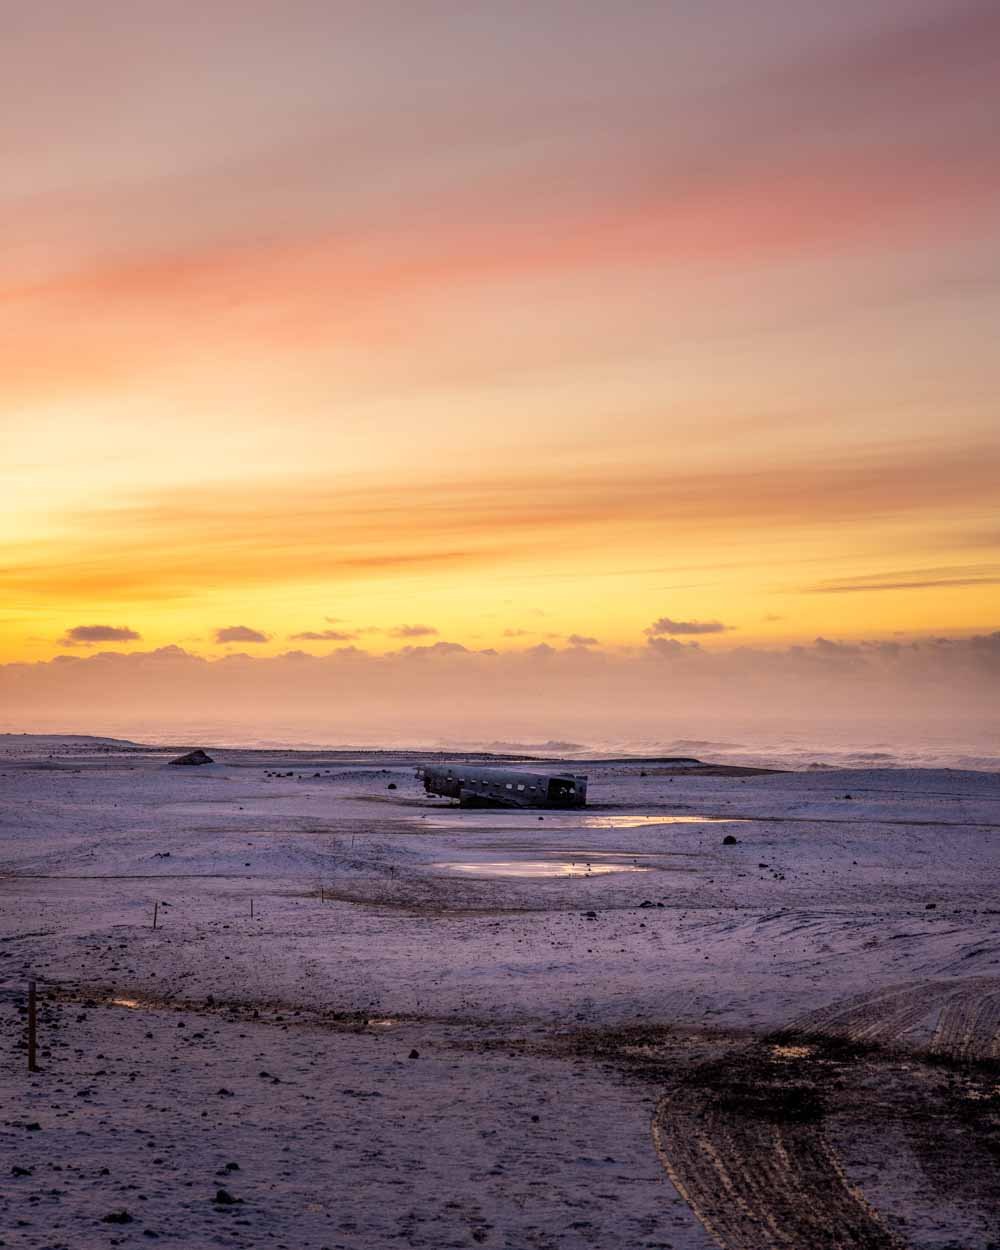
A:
423	693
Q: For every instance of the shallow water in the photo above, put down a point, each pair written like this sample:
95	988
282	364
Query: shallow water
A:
637	822
498	818
542	867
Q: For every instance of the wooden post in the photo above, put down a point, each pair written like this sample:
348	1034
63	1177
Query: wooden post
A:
32	1028
251	909
322	895
156	908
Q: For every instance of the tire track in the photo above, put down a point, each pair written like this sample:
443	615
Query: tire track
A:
761	1175
886	1015
969	1025
743	1142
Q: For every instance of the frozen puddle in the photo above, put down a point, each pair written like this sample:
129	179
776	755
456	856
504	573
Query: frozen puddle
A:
542	867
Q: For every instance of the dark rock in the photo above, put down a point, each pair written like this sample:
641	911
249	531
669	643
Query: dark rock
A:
729	840
16	1171
929	906
117	1217
647	903
414	1054
193	757
590	915
224	1198
391	786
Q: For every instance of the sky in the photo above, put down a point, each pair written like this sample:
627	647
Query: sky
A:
339	328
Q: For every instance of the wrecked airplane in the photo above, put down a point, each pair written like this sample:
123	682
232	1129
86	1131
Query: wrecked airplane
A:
477	786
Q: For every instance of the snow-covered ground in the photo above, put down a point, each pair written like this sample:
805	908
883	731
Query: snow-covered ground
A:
530	980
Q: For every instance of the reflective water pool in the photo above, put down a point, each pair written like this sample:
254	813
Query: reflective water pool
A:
542	867
497	818
637	822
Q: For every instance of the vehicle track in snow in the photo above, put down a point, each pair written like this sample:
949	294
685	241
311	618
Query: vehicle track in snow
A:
744	1145
969	1025
743	1139
886	1015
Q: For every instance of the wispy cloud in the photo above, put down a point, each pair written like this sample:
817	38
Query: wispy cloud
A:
178	542
239	633
87	635
892	131
323	635
665	625
910	579
412	631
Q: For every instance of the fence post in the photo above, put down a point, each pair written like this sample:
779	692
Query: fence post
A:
251	909
32	1028
156	908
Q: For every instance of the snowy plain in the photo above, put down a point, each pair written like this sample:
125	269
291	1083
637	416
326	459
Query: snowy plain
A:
560	979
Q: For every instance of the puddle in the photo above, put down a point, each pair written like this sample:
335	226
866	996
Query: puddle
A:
637	822
543	867
499	819
577	853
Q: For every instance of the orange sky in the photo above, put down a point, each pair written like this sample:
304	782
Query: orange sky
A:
517	323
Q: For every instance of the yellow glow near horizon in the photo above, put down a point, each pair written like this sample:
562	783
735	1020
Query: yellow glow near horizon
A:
524	358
